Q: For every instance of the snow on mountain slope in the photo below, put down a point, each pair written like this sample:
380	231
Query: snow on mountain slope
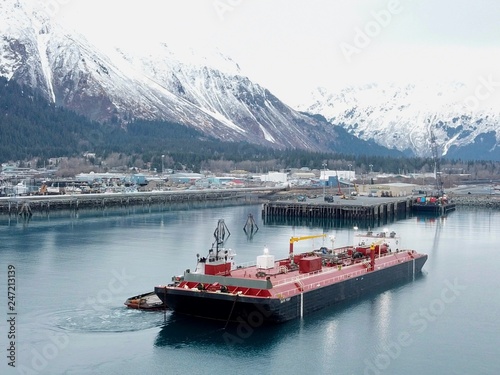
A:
205	91
21	30
401	116
208	91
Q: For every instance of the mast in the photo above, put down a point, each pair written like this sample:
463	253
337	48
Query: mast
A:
436	158
220	236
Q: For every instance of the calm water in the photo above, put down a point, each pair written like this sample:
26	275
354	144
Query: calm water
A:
73	274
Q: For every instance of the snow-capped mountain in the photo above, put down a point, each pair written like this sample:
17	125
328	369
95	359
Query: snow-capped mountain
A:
209	92
402	117
118	86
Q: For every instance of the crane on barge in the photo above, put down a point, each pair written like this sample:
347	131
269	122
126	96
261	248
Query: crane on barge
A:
296	239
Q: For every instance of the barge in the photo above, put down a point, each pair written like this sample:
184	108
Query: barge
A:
278	290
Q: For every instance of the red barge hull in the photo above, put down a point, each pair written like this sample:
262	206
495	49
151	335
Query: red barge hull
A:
244	297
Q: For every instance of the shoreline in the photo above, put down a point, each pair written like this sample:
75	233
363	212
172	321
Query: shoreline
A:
474	200
44	204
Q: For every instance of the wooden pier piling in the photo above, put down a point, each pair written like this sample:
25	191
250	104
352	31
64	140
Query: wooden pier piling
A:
343	212
75	202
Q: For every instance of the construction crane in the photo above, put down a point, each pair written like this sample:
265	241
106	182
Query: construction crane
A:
437	164
296	239
339	192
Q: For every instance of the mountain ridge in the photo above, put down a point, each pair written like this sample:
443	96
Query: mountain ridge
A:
121	87
212	95
405	116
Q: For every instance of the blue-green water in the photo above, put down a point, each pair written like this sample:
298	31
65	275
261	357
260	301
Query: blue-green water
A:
72	275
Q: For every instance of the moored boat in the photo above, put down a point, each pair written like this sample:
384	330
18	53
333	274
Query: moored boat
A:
438	205
274	291
145	301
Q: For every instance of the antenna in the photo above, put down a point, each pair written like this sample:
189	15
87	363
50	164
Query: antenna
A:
436	158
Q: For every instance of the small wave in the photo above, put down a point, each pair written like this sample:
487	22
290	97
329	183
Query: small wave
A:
116	319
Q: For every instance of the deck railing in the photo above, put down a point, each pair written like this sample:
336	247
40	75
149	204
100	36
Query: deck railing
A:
331	280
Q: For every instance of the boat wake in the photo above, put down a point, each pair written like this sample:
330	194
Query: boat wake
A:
116	319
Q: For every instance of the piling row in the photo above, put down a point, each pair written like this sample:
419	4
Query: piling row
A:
26	206
343	213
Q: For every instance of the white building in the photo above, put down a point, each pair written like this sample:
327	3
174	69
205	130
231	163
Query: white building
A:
343	175
278	177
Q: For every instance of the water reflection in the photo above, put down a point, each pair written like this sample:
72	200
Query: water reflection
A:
430	217
235	338
110	212
329	223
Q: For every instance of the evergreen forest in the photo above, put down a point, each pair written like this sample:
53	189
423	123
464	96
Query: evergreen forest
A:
32	128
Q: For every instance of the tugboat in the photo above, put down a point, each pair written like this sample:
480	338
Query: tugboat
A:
146	301
275	291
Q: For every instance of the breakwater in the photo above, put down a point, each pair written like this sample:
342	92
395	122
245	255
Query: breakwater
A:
488	201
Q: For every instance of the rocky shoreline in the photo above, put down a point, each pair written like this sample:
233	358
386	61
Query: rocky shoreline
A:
472	200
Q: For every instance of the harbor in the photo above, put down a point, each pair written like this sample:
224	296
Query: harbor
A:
75	274
28	205
277	203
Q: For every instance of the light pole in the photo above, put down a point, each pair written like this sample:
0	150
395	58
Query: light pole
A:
162	165
349	179
324	176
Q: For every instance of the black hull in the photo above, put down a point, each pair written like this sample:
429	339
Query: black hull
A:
257	311
433	208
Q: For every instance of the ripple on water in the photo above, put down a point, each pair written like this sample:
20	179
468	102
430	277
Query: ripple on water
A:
114	319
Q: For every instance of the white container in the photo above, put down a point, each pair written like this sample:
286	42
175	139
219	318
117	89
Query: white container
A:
265	261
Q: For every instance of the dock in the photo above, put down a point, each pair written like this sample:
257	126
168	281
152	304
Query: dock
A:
436	209
28	205
362	210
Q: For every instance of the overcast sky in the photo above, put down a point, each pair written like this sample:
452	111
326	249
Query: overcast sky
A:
292	46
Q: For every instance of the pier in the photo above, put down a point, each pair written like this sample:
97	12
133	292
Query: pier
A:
359	210
369	211
28	205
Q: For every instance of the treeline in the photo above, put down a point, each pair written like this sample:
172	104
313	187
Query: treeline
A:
30	127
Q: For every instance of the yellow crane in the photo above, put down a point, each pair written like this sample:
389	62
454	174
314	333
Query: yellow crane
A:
297	239
356	189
